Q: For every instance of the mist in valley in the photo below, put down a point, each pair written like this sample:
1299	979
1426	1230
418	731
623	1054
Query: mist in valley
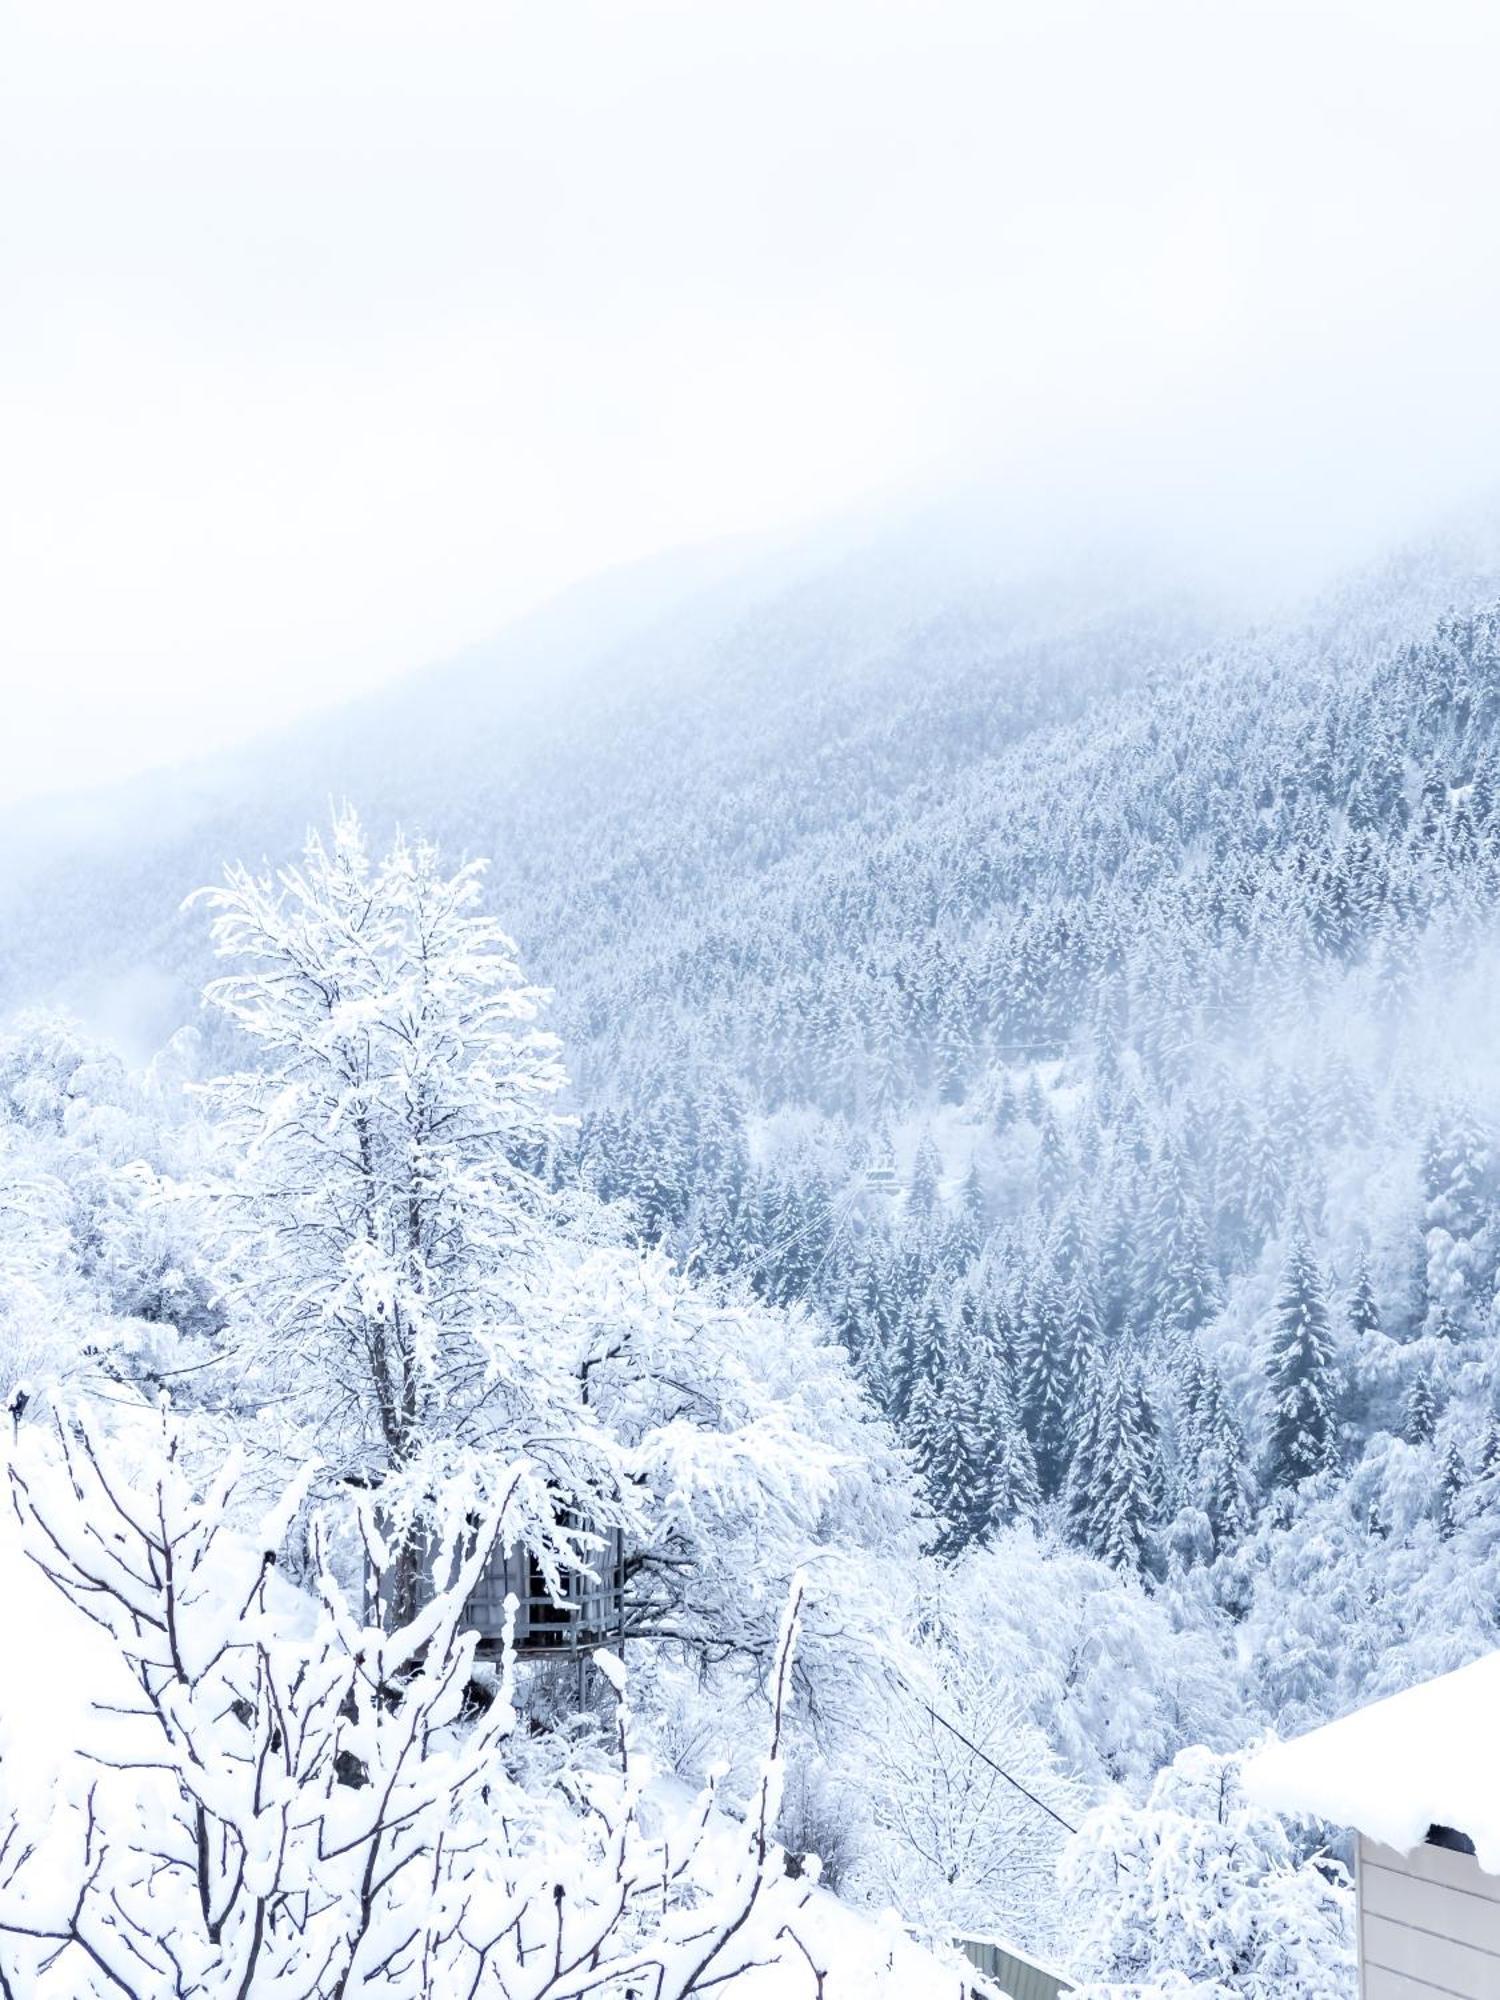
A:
751	870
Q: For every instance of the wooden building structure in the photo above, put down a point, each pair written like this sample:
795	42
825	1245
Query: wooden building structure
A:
1417	1778
585	1611
589	1612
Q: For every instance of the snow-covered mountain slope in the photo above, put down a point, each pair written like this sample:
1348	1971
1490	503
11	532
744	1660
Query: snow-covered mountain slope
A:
577	747
1145	951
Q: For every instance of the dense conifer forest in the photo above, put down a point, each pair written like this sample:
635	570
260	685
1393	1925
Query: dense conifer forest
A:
1042	1026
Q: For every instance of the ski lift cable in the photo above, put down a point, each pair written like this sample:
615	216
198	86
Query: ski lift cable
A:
839	1213
838	1217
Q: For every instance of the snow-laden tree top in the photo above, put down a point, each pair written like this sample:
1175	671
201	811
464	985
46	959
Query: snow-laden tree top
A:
381	1207
1427	1757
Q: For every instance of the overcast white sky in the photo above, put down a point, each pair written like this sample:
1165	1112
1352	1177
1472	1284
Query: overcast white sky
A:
332	336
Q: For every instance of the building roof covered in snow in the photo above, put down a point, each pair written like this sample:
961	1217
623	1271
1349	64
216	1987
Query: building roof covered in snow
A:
1429	1757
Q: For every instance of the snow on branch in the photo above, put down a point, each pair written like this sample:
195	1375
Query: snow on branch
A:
291	1801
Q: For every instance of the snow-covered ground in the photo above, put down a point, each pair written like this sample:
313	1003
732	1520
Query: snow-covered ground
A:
57	1666
862	1956
53	1666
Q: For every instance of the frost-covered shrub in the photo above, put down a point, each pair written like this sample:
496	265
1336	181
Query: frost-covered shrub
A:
1117	1680
1199	1891
969	1806
280	1799
816	1819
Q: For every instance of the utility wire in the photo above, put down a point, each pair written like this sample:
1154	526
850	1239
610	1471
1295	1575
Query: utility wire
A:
985	1758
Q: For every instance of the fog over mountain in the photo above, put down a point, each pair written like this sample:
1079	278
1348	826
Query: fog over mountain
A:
331	352
749	921
640	714
1053	980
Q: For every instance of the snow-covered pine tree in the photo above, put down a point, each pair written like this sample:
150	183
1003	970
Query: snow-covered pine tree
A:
1006	1488
930	1442
1054	1168
1123	1509
973	1205
1174	1279
1079	1493
1153	1454
1445	1327
1363	1310
1451	1492
1083	1339
1265	1184
927	1167
1300	1374
1047	1387
1225	1489
911	1353
1419	1416
1010	1491
1192	1401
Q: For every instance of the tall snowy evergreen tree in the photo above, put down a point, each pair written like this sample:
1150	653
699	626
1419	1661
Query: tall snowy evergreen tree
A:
927	1167
930	1443
1419	1419
1047	1384
1300	1375
1212	1477
1451	1492
1084	1470
1082	1341
1175	1281
1008	1491
1006	1488
1123	1511
1054	1169
1364	1312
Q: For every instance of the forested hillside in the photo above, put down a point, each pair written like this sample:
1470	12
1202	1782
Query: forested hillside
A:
1078	999
1095	1029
